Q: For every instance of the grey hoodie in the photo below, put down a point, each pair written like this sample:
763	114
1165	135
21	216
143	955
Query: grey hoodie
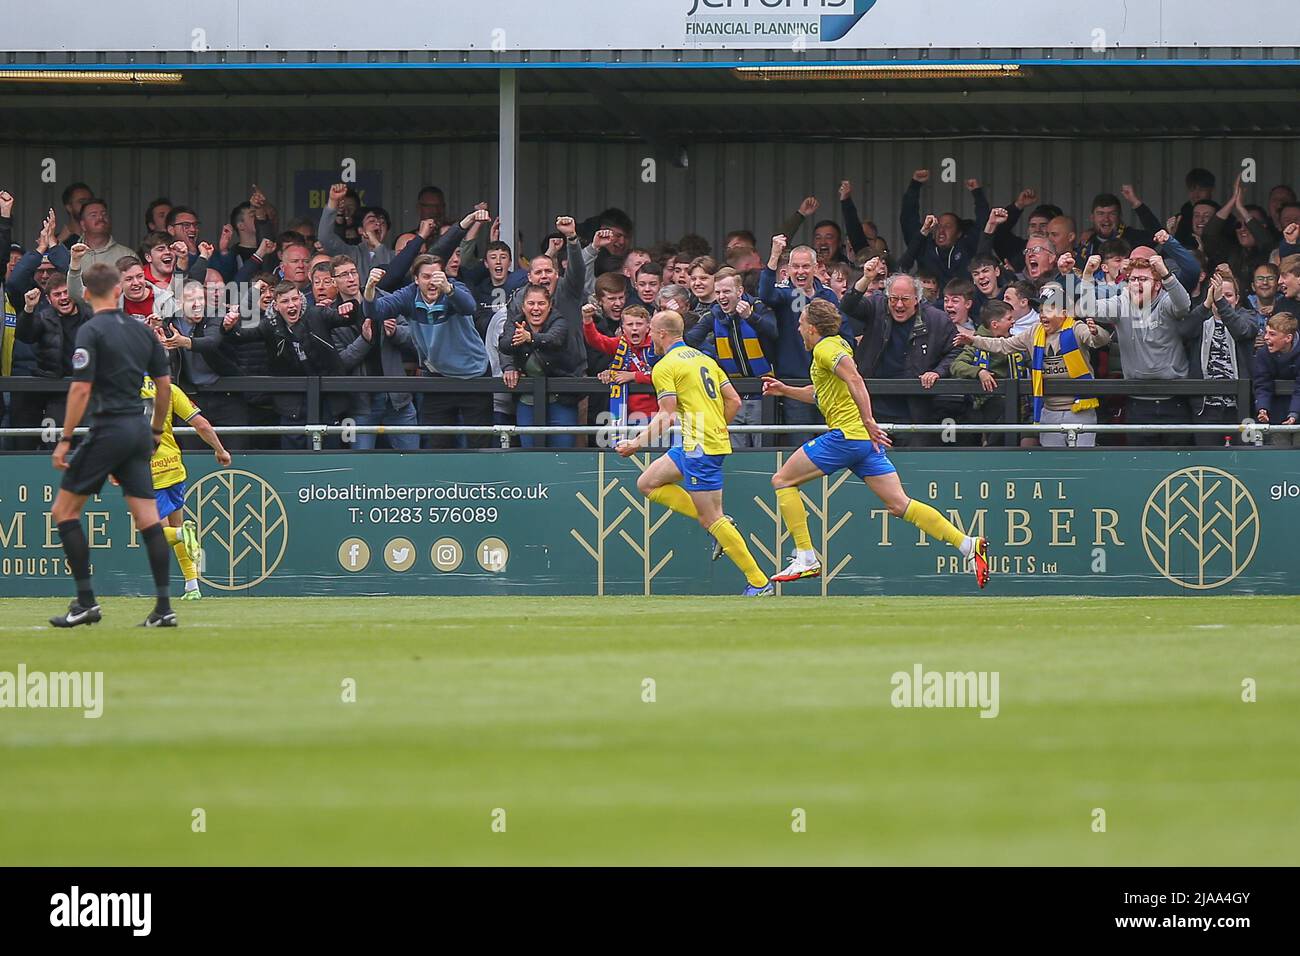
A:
1150	346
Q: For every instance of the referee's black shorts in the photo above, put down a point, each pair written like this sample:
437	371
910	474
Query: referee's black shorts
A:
118	445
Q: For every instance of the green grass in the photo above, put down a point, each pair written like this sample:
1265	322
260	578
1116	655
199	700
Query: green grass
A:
534	705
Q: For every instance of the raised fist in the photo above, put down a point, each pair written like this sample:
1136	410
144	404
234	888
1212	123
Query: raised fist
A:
809	206
998	215
779	242
32	296
6	203
1092	265
1026	198
1160	238
1131	195
927	227
921	176
567	227
846	190
337	192
972	184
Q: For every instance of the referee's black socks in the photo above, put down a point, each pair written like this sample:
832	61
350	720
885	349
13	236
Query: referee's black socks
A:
77	551
160	563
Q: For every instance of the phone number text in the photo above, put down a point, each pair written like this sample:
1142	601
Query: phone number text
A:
431	515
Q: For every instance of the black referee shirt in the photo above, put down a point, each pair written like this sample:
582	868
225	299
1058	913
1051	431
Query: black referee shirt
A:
114	353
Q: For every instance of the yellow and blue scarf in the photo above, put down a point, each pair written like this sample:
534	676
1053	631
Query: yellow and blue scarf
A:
1016	360
1075	364
741	354
625	358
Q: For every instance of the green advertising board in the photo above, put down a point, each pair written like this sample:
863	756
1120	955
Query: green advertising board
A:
1103	522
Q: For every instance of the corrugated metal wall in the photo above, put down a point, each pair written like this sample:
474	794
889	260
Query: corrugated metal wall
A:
725	186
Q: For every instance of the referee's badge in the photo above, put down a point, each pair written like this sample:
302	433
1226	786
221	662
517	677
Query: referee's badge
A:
80	359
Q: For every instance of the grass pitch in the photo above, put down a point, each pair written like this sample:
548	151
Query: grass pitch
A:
534	706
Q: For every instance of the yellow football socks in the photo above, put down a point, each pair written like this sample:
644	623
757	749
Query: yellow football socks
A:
734	545
183	557
173	536
795	517
934	524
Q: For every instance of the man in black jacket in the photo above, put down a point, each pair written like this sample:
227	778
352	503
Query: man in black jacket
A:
295	348
901	337
50	327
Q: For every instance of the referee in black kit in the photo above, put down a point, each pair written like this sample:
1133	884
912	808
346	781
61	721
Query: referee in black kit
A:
114	353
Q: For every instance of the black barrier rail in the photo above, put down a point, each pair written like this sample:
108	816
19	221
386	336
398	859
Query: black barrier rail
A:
1013	391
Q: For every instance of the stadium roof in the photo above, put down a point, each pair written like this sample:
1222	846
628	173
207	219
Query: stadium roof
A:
679	96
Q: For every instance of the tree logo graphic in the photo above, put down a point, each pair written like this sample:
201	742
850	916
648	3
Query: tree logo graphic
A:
1200	528
242	528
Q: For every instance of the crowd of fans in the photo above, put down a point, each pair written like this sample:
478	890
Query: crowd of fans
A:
1211	292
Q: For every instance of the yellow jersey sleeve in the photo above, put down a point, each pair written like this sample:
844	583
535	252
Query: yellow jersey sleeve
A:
182	406
829	351
662	378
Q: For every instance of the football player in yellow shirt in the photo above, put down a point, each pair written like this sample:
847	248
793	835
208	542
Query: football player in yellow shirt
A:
692	387
854	441
169	480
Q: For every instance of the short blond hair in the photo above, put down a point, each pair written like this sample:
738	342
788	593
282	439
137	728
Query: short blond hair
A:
726	272
670	322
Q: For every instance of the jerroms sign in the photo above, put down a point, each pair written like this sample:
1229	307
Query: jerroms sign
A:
511	26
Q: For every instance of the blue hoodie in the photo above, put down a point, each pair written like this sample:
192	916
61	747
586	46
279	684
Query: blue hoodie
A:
444	332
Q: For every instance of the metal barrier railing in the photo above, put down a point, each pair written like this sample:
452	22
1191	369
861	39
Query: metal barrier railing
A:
317	389
1251	432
